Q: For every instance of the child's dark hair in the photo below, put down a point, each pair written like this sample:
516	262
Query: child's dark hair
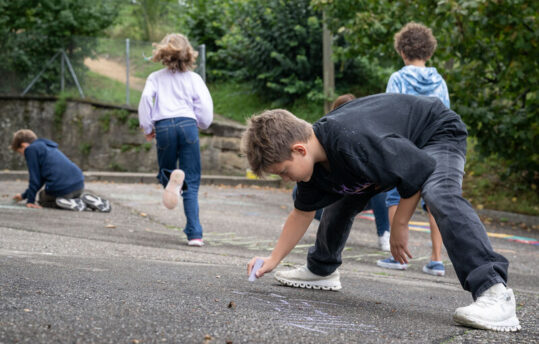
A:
21	136
175	52
415	41
345	98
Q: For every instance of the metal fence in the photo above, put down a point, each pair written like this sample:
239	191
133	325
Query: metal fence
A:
103	69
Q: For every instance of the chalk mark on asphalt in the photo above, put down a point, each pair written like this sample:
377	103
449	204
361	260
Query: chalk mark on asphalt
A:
306	314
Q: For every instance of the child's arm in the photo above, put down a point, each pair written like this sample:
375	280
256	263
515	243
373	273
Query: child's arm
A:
145	109
35	181
294	228
202	102
399	228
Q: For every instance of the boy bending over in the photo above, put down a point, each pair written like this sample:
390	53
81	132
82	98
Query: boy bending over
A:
371	145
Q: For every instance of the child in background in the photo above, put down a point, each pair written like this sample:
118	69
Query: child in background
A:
174	104
364	147
416	44
63	180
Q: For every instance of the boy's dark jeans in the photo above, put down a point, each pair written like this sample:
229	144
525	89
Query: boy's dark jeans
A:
48	201
477	266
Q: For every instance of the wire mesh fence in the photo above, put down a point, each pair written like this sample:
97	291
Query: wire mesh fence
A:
103	69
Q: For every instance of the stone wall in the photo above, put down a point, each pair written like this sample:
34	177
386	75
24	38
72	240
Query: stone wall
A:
102	137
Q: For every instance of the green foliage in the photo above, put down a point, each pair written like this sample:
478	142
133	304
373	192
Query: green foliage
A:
207	21
488	185
146	146
487	52
133	124
238	101
85	148
59	109
148	20
121	115
278	45
104	122
32	32
106	89
114	166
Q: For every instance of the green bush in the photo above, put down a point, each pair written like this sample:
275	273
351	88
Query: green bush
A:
32	32
487	52
278	45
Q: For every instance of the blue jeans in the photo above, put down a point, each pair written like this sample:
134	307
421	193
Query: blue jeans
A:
378	205
394	198
178	146
477	266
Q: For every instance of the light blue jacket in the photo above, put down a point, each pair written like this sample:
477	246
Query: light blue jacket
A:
423	81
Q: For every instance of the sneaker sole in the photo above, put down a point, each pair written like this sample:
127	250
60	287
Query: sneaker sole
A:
433	272
70	204
96	203
510	325
318	285
391	266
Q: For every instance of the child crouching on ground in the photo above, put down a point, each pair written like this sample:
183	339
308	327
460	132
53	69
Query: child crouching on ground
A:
365	147
63	180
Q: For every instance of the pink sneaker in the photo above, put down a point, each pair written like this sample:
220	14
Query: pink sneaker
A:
195	242
171	194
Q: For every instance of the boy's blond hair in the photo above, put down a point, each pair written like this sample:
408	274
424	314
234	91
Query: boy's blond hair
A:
415	41
269	137
175	52
21	136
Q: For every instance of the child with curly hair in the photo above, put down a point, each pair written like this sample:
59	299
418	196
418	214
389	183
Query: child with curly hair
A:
174	104
415	43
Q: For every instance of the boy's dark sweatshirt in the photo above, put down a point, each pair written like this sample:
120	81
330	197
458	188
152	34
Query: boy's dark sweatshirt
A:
48	165
374	144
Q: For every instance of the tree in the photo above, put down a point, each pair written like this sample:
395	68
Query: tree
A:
278	44
32	31
487	52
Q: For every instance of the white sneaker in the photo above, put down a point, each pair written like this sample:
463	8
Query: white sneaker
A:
383	242
303	278
195	242
171	194
493	310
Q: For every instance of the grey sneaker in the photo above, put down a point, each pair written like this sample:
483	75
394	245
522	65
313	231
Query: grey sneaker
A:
493	310
303	278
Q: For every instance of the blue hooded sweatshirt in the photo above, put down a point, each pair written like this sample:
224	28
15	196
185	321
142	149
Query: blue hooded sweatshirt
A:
423	81
48	165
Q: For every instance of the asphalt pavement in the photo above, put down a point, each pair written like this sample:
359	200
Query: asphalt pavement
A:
129	277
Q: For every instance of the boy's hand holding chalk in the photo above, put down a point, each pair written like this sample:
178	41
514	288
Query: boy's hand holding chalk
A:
257	265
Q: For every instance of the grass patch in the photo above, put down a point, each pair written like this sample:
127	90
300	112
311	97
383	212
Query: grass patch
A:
238	101
487	185
101	88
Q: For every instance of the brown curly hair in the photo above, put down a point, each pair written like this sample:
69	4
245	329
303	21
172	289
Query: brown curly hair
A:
415	41
175	52
342	99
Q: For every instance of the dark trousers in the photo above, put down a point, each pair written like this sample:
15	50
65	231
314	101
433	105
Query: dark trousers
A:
477	266
48	201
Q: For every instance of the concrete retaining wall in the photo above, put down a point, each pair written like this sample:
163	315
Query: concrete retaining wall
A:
103	137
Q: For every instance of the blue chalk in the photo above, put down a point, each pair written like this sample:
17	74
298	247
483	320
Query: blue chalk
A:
257	265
